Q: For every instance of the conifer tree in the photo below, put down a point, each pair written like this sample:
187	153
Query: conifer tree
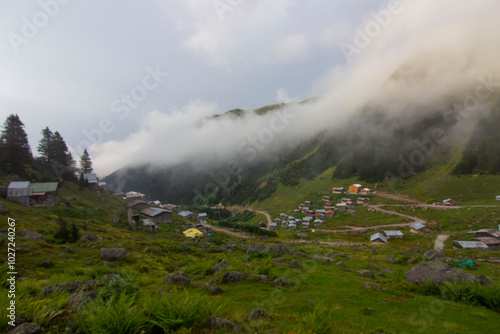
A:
86	163
14	147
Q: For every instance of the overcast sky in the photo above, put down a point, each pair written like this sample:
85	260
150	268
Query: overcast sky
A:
98	71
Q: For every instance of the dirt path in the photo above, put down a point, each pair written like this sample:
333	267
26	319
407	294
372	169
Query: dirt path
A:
224	230
237	208
415	219
440	240
399	198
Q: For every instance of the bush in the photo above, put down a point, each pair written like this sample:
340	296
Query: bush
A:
119	315
319	320
175	311
116	287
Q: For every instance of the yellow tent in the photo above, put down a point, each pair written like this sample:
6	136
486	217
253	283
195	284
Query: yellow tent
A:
193	233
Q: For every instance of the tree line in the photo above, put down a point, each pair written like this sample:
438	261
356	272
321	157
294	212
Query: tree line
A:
54	158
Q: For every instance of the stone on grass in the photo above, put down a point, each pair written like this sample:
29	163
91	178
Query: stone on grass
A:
438	272
113	254
87	235
218	322
366	273
294	264
178	278
280	249
256	248
433	254
233	276
257	314
221	266
26	328
28	234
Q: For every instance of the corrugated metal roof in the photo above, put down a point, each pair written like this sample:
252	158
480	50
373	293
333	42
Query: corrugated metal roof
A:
19	189
393	233
185	213
418	226
488	241
90	177
45	187
378	236
153	212
357	185
490	231
471	244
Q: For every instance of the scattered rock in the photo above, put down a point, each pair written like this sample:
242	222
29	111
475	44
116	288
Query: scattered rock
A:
221	266
416	250
340	264
483	280
321	258
113	254
280	249
373	251
246	261
26	328
68	249
185	247
28	234
88	235
387	270
366	273
233	276
294	264
280	281
178	278
83	296
257	314
47	263
214	289
62	255
108	264
111	277
437	271
411	260
433	254
373	286
261	278
390	258
299	254
218	322
256	248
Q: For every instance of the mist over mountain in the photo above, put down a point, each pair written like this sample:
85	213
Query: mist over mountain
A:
412	94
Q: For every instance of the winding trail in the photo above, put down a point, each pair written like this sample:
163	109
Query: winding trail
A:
440	240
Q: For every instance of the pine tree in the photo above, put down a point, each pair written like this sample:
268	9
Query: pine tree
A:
75	235
46	145
86	163
14	147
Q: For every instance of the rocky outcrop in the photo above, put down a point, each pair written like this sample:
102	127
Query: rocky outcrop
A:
438	272
113	254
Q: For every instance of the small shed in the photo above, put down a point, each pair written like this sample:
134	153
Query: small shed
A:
44	193
292	225
393	234
450	202
102	185
326	198
341	206
188	215
20	190
366	191
133	196
273	226
492	243
305	224
159	216
172	207
362	200
487	233
330	214
469	244
92	180
497	198
378	238
202	216
338	190
419	228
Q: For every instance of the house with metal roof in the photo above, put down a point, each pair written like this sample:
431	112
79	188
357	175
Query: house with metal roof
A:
419	228
492	243
355	188
21	191
469	244
393	234
340	190
497	198
378	238
44	193
172	207
159	216
187	215
138	205
202	216
487	233
92	180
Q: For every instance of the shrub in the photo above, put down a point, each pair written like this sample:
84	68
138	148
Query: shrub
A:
119	315
173	312
319	320
116	287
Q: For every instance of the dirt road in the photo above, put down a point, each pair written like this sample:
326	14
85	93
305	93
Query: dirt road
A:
224	230
440	240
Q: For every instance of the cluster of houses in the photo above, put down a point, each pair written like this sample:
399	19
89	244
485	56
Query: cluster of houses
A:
484	239
153	213
353	189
